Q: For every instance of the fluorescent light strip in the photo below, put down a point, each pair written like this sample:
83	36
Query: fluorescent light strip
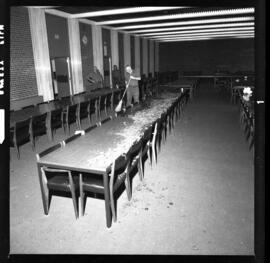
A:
202	35
202	39
192	22
176	16
126	11
196	37
227	25
199	31
211	37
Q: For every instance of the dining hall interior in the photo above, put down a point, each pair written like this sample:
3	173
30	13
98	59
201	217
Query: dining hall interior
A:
132	130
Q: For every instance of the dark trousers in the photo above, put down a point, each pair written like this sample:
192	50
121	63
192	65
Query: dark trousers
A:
132	92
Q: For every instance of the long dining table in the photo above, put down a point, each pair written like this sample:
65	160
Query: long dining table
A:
23	114
94	151
183	83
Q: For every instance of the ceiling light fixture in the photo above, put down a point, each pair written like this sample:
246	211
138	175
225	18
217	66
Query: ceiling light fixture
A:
203	35
125	11
204	38
176	16
198	31
227	25
192	22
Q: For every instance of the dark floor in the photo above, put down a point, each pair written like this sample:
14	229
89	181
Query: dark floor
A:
198	199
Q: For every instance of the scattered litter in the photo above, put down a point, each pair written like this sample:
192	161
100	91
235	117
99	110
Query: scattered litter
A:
146	208
171	203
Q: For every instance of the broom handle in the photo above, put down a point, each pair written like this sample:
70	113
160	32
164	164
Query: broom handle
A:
125	89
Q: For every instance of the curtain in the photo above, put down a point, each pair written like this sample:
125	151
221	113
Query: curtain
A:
41	53
97	48
75	55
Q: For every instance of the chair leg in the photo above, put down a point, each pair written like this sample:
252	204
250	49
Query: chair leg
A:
75	204
18	151
82	195
128	188
114	217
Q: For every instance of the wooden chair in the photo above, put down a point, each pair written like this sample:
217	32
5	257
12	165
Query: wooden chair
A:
69	117
109	103
28	107
135	159
90	128
57	181
90	183
119	175
82	112
92	108
116	97
54	121
38	127
71	138
102	105
20	134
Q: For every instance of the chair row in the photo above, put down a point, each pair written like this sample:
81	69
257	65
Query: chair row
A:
247	120
28	130
120	172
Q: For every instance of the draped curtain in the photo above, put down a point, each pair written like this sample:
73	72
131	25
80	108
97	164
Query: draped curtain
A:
75	55
151	57
97	48
127	55
41	53
114	48
156	56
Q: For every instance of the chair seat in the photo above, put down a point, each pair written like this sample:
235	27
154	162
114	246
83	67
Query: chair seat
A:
61	182
91	184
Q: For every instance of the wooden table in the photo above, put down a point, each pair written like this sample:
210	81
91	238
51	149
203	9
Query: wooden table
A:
94	151
186	84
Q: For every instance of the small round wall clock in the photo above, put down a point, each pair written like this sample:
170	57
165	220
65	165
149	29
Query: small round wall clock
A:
84	40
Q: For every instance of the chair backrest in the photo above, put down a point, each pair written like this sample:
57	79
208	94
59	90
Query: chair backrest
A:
93	104
82	109
90	128
39	121
22	131
71	138
102	101
27	107
118	169
49	172
134	150
109	99
56	114
49	150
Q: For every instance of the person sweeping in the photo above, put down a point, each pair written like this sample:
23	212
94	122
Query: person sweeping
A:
132	88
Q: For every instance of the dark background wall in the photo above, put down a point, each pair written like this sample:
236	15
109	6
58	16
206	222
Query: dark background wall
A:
23	83
207	56
86	51
132	51
57	31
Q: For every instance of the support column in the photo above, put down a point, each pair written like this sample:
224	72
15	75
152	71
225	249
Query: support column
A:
127	55
97	48
137	54
145	57
114	48
75	55
151	57
41	53
156	56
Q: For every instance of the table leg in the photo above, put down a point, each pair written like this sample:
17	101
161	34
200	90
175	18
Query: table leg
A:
107	200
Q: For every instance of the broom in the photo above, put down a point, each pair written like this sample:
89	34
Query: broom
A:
119	106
